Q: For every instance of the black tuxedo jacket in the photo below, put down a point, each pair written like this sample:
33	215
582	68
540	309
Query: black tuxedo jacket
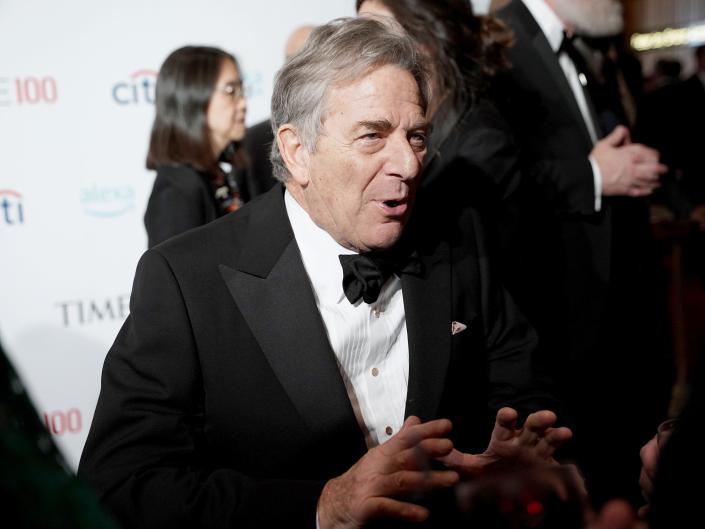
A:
587	280
221	402
473	152
570	241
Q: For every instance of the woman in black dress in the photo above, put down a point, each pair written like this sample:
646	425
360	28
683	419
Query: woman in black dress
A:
200	117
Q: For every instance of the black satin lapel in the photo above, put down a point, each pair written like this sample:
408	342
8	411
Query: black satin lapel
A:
557	75
427	304
281	312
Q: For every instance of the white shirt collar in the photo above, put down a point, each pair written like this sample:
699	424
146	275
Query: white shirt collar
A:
319	253
548	21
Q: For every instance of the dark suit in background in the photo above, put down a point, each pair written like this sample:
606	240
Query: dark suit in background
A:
473	150
258	144
222	404
182	198
583	277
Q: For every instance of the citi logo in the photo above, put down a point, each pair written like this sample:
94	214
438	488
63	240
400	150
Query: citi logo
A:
138	89
106	201
11	205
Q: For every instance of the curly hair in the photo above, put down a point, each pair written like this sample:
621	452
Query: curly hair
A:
466	50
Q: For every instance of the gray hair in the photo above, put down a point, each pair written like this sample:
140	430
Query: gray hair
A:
342	51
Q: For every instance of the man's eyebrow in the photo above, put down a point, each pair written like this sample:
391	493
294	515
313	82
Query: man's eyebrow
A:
377	125
383	125
421	125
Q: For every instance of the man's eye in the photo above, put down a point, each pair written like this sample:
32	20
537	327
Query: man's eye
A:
371	136
418	140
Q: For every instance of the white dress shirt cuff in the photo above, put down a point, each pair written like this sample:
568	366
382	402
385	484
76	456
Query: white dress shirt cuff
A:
597	177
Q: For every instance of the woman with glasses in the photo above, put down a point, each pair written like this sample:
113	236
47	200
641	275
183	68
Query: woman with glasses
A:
200	118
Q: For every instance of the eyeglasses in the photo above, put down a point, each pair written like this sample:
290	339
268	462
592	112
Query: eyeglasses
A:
233	89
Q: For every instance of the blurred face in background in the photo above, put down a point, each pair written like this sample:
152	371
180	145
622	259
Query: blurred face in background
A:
227	108
374	7
591	18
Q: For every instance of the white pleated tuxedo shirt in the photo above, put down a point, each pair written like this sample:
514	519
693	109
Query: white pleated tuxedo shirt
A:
369	341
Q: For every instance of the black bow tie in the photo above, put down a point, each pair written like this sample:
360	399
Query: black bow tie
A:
365	274
579	61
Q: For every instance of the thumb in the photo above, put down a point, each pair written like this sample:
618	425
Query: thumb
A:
618	136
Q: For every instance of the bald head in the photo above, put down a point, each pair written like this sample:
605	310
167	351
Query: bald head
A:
296	40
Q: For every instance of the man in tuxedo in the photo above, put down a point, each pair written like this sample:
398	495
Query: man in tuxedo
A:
584	271
259	383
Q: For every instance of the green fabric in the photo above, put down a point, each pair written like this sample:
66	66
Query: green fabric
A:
36	487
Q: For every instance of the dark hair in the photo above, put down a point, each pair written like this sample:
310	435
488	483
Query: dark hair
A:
466	51
180	134
700	51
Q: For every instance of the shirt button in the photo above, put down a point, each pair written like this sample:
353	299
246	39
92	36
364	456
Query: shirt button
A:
377	312
375	371
388	430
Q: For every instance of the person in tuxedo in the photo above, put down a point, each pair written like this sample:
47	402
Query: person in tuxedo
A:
259	137
321	357
200	112
585	268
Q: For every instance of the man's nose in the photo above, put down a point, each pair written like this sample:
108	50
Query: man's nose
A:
404	162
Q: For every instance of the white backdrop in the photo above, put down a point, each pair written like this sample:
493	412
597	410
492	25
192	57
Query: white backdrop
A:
76	105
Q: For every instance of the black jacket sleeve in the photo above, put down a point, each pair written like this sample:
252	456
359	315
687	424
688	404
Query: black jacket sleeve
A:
146	452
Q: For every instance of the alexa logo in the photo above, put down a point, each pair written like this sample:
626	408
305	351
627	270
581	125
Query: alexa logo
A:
138	89
107	201
11	210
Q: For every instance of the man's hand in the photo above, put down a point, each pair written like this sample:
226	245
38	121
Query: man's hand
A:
698	215
649	459
628	169
375	485
534	444
616	514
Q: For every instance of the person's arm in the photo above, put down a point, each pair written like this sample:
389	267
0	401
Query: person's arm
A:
146	452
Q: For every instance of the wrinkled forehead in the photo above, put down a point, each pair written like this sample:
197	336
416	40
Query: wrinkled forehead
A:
385	87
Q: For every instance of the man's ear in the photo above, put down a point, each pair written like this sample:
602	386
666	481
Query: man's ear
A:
293	153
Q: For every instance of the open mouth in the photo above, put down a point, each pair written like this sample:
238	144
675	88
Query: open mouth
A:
395	208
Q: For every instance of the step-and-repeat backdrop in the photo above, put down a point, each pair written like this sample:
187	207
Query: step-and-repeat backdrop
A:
76	105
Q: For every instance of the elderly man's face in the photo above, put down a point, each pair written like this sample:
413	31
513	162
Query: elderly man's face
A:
362	178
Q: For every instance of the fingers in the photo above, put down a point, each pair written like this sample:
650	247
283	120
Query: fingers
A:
553	438
648	172
418	457
405	482
539	421
414	432
505	424
400	467
646	485
617	514
617	137
641	153
536	427
391	508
